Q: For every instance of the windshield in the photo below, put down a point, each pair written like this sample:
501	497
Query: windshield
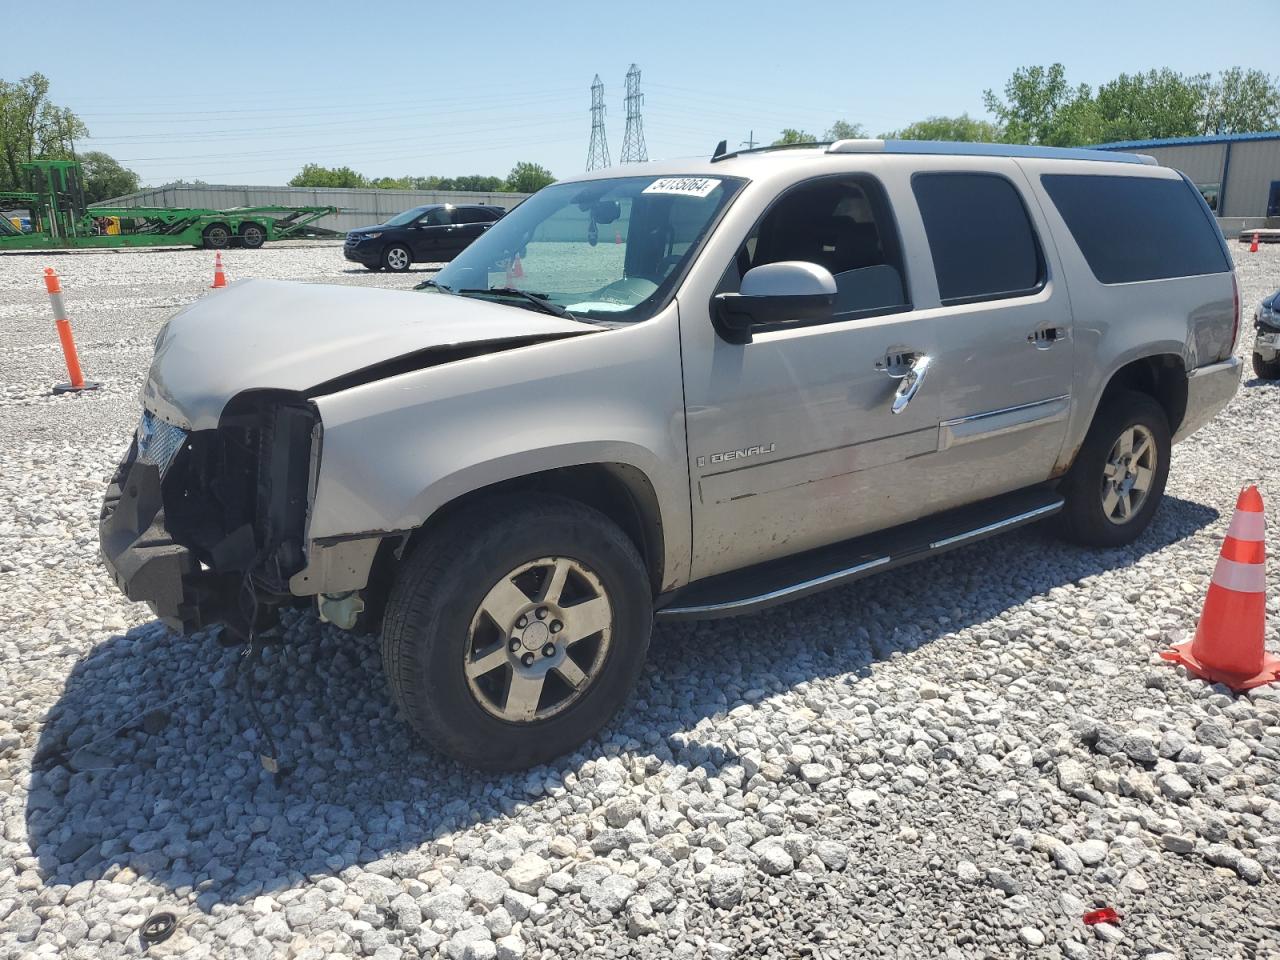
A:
604	249
400	219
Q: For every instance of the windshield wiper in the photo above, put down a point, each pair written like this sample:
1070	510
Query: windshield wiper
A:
539	300
432	283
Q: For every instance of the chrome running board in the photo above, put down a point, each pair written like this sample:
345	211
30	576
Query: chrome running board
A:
789	578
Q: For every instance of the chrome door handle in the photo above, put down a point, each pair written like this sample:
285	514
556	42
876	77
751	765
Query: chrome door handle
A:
910	382
1043	338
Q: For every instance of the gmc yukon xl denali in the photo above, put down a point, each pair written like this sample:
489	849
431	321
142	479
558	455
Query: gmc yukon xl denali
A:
675	390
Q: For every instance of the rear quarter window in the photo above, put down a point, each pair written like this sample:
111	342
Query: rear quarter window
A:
1137	228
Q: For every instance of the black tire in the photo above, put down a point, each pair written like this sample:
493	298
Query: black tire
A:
438	593
1084	519
396	258
252	235
1266	369
217	236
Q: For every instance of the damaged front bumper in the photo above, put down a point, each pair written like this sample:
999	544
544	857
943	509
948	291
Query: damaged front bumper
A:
145	562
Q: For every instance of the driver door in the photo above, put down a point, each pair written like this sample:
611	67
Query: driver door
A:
431	239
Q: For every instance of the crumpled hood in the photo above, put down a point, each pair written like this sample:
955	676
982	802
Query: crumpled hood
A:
272	334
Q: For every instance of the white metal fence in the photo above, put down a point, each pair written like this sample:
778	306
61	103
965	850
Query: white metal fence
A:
356	207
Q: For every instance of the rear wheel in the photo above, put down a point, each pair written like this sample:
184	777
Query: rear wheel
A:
396	258
253	236
217	236
516	630
1115	485
1267	369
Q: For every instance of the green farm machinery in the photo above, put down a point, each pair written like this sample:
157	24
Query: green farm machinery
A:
58	217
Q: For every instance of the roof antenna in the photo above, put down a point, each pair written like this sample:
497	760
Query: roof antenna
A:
720	149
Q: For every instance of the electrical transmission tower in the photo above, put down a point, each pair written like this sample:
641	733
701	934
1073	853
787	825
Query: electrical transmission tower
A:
633	148
598	152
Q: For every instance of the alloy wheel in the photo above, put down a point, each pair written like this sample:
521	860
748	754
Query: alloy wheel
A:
1128	474
538	640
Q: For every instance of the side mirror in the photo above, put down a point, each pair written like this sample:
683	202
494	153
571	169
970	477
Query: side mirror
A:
790	291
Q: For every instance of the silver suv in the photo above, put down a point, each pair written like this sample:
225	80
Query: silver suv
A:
676	390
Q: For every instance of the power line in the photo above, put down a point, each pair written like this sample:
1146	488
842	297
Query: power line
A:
598	151
633	146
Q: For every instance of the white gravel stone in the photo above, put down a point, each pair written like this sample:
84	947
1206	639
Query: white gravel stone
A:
995	714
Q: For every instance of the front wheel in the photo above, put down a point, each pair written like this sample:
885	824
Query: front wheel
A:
1116	483
1266	369
396	258
516	630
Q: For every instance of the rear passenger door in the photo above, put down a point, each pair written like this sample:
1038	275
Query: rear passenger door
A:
1003	326
470	222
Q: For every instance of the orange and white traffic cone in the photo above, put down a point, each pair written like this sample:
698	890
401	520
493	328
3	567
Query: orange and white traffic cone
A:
1228	646
517	269
75	377
219	278
1253	247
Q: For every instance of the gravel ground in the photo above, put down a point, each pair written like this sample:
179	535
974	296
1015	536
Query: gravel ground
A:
955	759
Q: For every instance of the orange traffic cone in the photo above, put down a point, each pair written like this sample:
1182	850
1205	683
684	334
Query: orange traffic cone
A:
219	278
517	270
1228	647
617	236
1253	247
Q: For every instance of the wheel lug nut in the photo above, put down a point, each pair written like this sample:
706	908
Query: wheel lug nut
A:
549	650
541	613
515	645
556	626
527	659
522	622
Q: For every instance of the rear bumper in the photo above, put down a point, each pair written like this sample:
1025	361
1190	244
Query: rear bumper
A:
1209	389
144	561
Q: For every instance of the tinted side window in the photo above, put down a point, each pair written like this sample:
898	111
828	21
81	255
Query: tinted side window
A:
1137	228
471	215
844	224
437	217
982	241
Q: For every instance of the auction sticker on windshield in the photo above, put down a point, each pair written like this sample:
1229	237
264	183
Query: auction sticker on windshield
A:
683	186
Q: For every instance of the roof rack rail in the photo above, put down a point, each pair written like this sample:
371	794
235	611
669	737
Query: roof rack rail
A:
949	148
771	149
952	149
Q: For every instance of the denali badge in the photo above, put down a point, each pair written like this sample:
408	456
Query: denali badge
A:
755	451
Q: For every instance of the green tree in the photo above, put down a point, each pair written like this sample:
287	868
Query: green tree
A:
963	128
1151	105
314	175
844	130
528	177
104	178
790	135
1039	106
392	183
1239	101
485	184
31	127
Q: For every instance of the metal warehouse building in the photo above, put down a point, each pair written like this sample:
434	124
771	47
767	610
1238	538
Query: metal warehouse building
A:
1239	173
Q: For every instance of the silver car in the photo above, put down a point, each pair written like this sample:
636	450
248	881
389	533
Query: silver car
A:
675	390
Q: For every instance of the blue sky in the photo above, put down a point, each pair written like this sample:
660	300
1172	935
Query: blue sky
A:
236	92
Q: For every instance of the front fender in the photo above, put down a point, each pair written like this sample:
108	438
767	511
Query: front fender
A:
396	450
